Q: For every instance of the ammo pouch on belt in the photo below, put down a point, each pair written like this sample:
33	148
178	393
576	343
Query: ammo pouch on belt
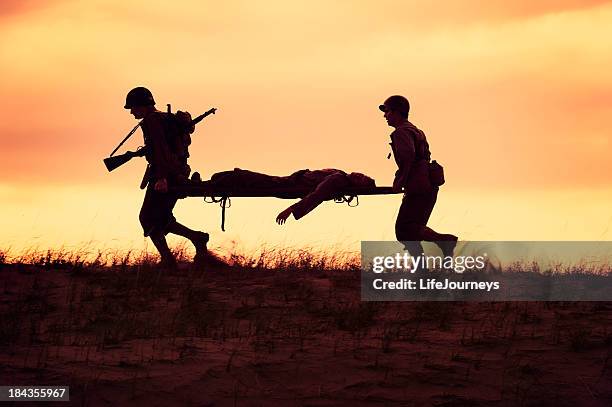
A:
436	174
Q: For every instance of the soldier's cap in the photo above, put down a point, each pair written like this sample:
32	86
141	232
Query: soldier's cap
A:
139	96
397	103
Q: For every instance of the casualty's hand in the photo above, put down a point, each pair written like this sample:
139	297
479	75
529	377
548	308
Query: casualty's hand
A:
282	217
161	185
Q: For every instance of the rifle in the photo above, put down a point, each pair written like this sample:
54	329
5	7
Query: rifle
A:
111	162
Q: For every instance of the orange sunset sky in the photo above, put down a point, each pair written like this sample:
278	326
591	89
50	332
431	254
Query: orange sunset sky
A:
514	96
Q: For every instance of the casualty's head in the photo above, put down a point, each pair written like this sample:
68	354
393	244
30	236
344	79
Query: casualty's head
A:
139	101
396	110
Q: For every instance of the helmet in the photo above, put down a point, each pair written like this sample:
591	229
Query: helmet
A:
397	103
139	96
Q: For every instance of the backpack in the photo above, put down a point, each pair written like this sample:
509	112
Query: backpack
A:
179	130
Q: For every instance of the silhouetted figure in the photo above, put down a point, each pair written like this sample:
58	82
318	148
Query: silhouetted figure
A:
166	167
410	148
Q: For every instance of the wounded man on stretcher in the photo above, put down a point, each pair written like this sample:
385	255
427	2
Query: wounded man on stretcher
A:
319	186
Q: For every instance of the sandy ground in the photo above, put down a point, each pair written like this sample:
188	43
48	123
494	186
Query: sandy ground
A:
140	336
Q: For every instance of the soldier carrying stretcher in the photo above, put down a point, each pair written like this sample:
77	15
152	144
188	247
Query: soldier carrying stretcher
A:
166	155
418	177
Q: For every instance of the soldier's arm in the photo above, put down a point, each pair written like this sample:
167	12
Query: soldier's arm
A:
282	217
404	150
325	190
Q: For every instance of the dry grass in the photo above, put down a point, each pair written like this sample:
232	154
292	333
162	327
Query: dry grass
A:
267	258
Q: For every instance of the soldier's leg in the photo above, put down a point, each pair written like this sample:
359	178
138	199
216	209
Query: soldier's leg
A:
407	229
199	239
430	235
411	228
155	215
412	217
446	242
167	259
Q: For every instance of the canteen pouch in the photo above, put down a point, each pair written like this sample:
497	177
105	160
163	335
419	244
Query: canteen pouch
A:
436	174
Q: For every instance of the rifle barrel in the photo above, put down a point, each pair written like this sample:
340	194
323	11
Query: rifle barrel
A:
202	116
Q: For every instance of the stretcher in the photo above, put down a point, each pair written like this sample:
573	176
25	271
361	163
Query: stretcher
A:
223	195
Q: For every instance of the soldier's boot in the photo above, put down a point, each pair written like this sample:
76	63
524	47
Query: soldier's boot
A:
446	242
167	258
199	239
415	249
200	243
448	246
410	235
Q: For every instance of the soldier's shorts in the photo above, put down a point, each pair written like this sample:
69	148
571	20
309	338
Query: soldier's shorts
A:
156	212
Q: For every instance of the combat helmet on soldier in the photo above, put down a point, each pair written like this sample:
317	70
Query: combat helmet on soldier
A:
139	96
397	103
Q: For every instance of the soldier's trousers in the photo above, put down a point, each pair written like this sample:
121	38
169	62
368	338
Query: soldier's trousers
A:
156	212
411	223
